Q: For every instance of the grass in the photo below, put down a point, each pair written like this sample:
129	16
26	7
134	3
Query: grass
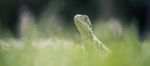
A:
63	48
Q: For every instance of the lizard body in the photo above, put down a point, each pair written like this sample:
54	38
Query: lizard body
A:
84	26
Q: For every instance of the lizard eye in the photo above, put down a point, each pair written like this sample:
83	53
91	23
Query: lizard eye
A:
86	18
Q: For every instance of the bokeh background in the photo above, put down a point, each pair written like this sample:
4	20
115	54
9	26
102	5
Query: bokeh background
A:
42	33
126	12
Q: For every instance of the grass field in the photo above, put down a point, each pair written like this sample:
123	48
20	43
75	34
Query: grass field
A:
64	48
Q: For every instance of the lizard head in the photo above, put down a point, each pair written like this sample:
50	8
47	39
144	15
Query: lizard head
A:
83	24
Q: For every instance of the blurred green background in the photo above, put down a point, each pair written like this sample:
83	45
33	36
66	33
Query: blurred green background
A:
42	33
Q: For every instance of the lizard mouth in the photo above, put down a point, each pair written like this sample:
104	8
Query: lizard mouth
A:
78	15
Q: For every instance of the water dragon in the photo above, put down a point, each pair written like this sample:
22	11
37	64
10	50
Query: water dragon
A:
84	27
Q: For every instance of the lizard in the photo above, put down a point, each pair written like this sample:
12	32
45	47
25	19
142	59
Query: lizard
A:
85	29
